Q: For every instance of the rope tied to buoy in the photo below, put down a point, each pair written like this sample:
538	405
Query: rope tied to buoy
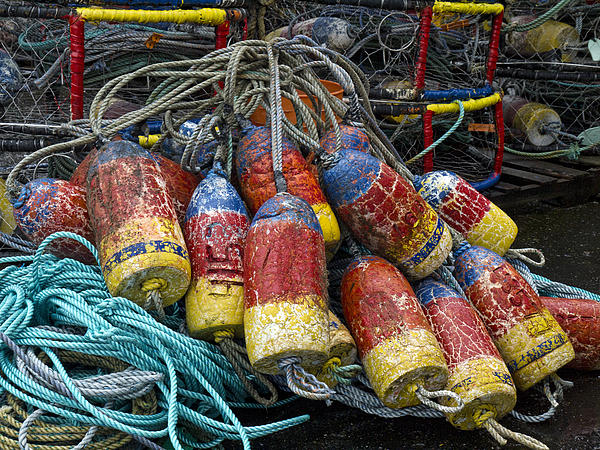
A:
501	434
341	374
152	288
301	382
425	397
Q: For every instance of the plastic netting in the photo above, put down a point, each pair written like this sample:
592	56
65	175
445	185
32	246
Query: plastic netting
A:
551	66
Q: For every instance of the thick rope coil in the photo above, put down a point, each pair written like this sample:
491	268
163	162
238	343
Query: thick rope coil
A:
500	433
425	397
237	356
519	253
302	383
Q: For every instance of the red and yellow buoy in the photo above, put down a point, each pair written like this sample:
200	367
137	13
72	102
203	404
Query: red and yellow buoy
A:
215	232
529	339
141	246
285	289
580	318
395	343
386	214
477	372
467	211
48	205
255	172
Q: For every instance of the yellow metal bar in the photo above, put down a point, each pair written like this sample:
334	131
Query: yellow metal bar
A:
469	105
206	16
468	8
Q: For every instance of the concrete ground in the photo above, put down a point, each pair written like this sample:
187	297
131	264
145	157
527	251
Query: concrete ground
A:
570	239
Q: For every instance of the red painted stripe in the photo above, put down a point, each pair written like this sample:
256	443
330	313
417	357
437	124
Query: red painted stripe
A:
464	207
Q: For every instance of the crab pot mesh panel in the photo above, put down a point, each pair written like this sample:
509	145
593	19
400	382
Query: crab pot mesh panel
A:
552	66
382	43
473	150
462	52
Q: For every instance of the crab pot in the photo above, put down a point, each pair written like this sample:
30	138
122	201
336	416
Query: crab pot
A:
336	34
180	184
11	79
137	233
529	339
395	343
353	138
341	345
215	232
385	213
580	318
285	286
48	205
255	171
467	211
477	372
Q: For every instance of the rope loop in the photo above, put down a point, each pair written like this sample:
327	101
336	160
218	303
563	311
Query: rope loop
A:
500	433
520	254
302	383
425	397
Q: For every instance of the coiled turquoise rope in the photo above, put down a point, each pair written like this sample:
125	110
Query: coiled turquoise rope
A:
199	383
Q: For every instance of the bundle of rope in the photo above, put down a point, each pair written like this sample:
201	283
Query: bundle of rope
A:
57	316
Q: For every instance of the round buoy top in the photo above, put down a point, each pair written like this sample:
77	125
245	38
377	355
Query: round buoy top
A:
351	177
366	260
430	289
215	193
353	138
120	149
285	207
435	186
48	187
473	262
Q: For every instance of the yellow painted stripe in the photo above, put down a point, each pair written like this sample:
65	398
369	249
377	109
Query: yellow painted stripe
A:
469	105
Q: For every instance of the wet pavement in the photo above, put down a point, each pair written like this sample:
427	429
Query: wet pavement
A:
570	239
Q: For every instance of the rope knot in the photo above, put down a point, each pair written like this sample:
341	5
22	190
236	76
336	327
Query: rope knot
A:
154	284
573	152
221	335
332	364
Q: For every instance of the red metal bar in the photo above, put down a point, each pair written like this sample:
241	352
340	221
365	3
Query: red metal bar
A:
77	66
428	140
493	49
421	64
221	33
500	132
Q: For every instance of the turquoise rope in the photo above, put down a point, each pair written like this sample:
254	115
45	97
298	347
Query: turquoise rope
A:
551	288
199	385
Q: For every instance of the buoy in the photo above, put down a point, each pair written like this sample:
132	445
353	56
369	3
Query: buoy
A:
254	164
7	219
395	343
331	32
546	37
534	120
529	339
215	233
141	246
353	138
11	79
180	183
580	319
48	205
385	213
342	349
477	372
285	286
479	220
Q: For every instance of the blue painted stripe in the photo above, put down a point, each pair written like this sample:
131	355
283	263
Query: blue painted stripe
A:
469	265
429	246
449	95
285	207
537	352
215	193
142	248
351	177
434	187
430	289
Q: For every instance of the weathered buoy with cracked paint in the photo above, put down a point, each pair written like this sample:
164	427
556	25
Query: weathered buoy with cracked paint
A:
467	211
477	372
215	232
529	339
534	120
11	79
180	184
139	239
285	286
336	34
255	171
48	205
580	319
353	138
395	343
385	213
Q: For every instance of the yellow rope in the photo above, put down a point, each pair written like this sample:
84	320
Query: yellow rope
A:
467	8
469	105
207	16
